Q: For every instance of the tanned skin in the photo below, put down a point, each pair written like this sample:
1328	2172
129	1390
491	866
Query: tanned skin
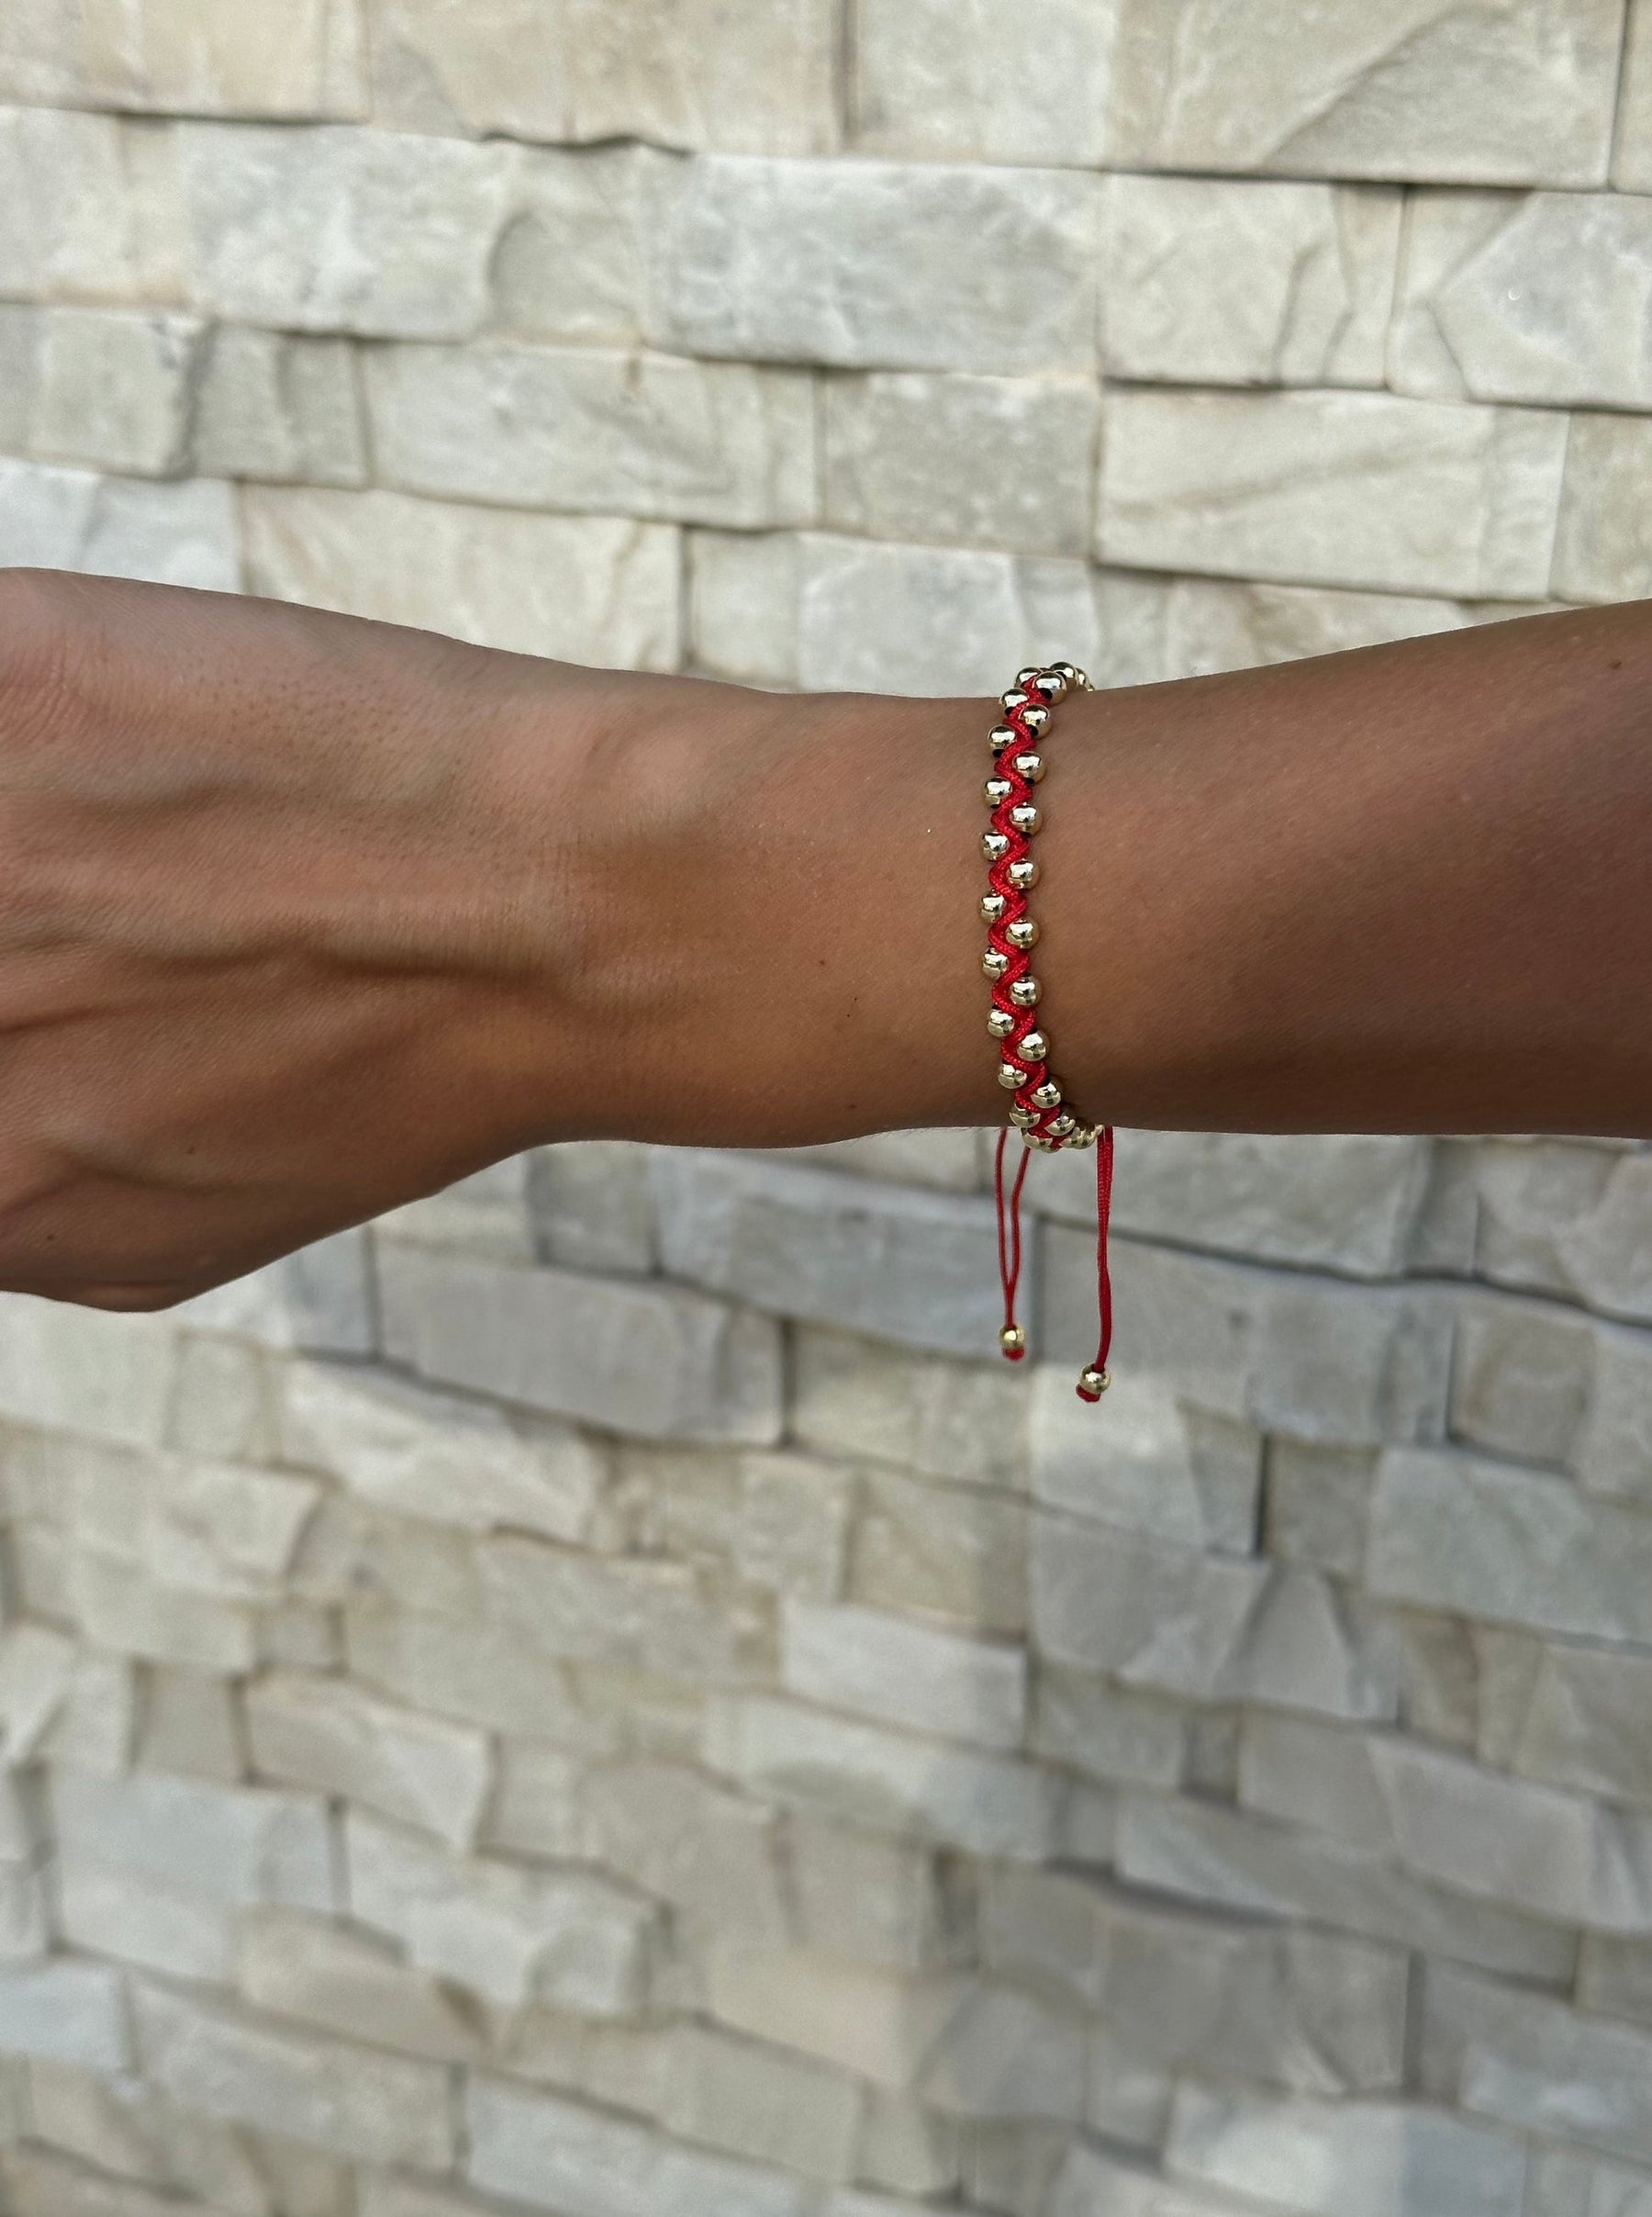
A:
301	916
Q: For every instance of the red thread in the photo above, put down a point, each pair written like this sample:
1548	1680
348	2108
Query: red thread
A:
1010	1241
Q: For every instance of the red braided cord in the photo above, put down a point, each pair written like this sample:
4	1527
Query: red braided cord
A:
1036	1123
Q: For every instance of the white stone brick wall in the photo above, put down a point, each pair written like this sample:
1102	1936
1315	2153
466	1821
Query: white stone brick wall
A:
601	1694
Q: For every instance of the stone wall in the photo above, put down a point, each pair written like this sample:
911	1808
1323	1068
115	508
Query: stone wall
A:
601	1694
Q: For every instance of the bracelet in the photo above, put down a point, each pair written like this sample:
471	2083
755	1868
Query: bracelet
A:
1039	1111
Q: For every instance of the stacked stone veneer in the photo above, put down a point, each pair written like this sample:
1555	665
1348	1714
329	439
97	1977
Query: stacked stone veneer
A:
601	1694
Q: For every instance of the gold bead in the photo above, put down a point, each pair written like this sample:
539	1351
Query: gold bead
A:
1025	678
1014	698
1071	672
1034	1047
1013	1339
1021	1117
1003	736
1022	932
1035	720
997	791
992	908
1000	1023
1025	817
1030	767
1049	685
1025	991
1011	1077
1064	1125
1093	1383
994	964
1023	875
995	845
1045	1096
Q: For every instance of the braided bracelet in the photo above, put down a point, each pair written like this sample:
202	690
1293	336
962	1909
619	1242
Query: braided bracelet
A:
1038	1111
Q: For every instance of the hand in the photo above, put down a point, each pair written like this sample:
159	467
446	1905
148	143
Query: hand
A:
299	919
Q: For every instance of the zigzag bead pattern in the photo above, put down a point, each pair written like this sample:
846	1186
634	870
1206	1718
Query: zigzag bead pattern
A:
1039	1111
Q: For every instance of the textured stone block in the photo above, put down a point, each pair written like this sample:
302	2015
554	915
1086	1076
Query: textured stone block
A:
877	2023
882	1900
1319	1504
959	1556
742	607
855	1252
333	230
991	1805
588	428
77	1371
935	620
878	265
102	387
272	406
1348	2160
1555	1854
1332	488
1192	627
779	1521
1524	299
856	1398
1005	461
760	2104
582	2163
1331	1202
418	1453
1440	91
1110	1732
1563	2182
684	1839
485	1215
318	1301
1318	2012
1532	1194
589	1199
189	57
189	1727
1008	2055
1631	163
1603	549
224	1529
242	1847
1611	1454
1522	1379
647	1360
1576	1716
505	1932
42	2185
585	588
698	77
341	1982
328	1736
116	1606
936	83
92	209
381	2108
632	1613
1259	283
149	1925
1166	1471
1531	2062
1179	1622
1456	1532
904	1673
1205	1853
66	2012
1287	1352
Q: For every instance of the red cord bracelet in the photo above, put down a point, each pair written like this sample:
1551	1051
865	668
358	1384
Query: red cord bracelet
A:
1038	1110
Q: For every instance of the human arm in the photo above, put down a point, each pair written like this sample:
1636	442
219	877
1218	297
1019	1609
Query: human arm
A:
300	917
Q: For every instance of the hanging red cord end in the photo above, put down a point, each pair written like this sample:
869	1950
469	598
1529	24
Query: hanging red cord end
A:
1094	1382
1013	1339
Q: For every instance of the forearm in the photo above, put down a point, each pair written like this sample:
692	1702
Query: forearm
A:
1401	890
